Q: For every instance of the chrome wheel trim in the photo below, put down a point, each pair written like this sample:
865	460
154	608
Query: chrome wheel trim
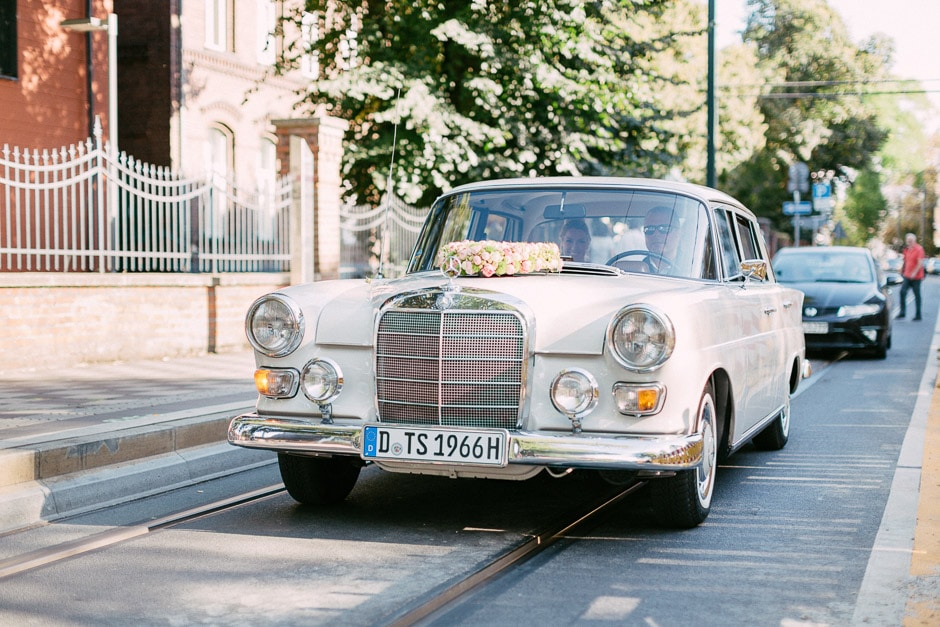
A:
705	474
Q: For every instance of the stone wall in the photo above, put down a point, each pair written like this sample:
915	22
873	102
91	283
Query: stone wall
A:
65	319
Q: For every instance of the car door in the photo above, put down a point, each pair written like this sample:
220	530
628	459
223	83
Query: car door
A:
759	308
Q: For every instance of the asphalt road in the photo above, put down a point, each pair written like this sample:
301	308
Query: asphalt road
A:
799	536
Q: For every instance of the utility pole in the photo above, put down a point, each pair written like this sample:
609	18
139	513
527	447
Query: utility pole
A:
710	178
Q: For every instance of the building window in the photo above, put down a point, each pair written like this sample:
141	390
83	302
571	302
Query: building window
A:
267	179
8	56
267	164
217	24
266	24
219	160
309	62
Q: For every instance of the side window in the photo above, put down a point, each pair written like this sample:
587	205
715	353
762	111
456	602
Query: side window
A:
727	251
749	247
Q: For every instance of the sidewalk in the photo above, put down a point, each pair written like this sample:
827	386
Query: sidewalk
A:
75	439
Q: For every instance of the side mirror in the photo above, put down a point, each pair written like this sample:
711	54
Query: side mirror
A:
754	269
893	278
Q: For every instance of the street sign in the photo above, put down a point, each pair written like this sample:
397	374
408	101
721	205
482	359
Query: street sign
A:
822	190
799	178
822	196
803	208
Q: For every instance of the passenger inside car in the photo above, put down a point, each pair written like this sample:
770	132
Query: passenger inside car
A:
575	240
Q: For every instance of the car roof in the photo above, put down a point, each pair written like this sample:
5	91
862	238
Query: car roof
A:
702	192
819	250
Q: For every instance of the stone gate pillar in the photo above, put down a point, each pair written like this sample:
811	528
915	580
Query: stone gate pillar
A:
315	240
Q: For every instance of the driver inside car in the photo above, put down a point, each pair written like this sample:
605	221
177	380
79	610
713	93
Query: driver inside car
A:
661	231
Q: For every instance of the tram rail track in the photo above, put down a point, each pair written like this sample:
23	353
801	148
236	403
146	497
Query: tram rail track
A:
439	602
45	556
436	602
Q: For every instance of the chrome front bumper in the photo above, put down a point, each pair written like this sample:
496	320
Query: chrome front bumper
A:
624	452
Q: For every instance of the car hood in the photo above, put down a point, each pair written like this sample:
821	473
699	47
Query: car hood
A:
573	311
825	294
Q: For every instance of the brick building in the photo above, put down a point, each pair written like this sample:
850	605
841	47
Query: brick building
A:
196	86
48	82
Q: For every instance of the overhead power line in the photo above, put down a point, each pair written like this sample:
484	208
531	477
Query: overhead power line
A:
836	94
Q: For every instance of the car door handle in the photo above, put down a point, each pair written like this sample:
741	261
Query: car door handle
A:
770	310
787	304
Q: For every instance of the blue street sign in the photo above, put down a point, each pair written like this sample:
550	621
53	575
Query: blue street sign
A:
822	190
797	209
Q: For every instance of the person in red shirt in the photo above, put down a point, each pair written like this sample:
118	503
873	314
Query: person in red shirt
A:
913	274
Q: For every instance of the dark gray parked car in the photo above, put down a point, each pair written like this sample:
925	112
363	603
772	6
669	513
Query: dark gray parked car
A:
846	304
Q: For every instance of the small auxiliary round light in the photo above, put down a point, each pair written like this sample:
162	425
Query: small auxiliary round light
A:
321	380
574	392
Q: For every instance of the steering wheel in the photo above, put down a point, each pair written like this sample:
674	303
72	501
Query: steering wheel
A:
647	256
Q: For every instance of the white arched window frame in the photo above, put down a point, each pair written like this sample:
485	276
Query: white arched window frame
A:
219	161
267	185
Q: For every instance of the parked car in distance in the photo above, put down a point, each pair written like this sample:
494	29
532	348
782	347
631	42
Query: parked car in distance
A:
932	265
653	342
846	305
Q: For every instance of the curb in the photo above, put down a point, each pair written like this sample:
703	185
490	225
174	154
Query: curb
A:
43	480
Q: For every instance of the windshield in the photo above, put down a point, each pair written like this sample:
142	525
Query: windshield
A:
823	267
630	229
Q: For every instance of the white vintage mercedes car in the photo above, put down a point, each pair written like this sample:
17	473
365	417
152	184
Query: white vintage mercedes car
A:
629	326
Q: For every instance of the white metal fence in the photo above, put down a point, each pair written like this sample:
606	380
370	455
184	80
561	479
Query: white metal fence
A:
84	209
368	233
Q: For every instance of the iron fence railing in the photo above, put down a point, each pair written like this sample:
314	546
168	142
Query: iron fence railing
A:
369	233
84	209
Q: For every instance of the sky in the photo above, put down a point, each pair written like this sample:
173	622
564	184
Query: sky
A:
914	25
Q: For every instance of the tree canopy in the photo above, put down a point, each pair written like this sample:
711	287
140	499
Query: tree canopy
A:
483	89
813	75
458	91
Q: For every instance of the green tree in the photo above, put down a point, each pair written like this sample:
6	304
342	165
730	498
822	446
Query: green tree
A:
489	89
865	207
813	71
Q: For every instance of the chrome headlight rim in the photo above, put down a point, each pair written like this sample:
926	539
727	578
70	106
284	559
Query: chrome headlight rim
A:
296	325
667	329
592	384
335	386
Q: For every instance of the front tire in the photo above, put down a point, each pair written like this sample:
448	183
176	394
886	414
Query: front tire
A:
318	480
684	500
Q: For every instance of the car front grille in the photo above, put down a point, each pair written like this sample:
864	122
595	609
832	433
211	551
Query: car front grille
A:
453	368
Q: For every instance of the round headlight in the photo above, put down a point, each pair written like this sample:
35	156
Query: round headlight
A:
275	325
321	380
574	392
641	339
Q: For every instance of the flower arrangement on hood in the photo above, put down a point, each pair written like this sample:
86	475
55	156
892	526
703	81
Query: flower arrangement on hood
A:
491	258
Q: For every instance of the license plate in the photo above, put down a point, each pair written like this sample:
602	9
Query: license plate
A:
421	444
816	328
